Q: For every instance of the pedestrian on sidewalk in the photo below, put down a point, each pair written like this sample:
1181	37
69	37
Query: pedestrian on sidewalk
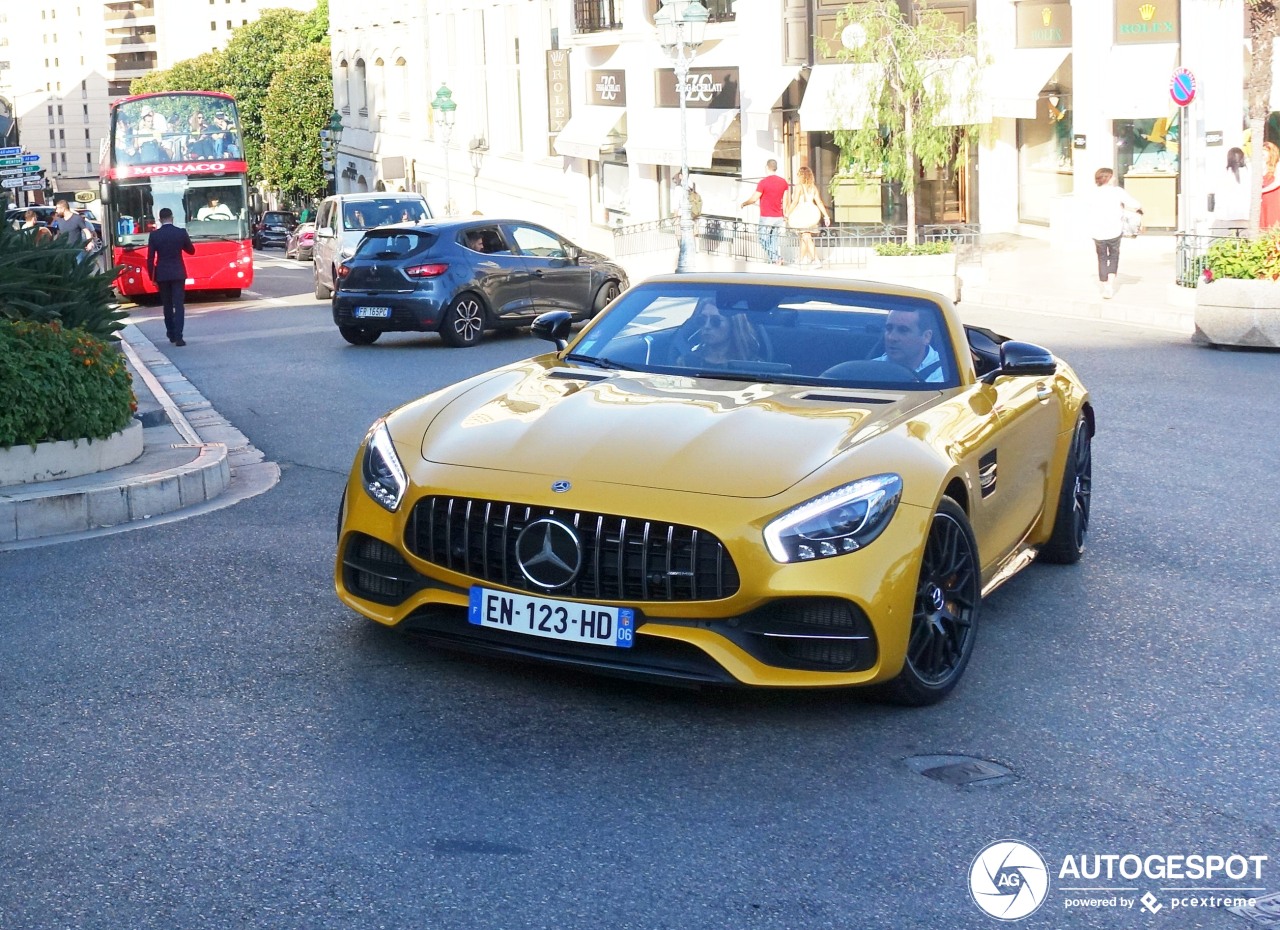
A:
1231	196
166	267
804	211
769	193
1104	219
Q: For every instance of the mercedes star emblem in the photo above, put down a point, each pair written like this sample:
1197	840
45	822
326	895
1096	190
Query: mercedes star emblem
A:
549	553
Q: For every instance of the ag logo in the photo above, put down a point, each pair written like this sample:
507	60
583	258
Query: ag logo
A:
1008	880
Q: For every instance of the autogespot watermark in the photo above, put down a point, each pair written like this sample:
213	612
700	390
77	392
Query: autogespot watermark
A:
1010	880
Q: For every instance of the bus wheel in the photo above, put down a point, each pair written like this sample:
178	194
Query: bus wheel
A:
234	293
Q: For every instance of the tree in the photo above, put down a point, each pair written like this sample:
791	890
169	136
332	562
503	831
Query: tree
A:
204	72
1262	33
930	72
297	108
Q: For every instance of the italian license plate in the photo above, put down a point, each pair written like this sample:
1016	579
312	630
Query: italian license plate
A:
552	619
372	313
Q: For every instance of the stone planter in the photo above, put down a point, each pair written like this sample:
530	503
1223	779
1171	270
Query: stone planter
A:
931	272
1232	312
51	461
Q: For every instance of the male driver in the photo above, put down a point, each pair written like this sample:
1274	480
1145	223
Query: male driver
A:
166	267
216	210
907	344
770	192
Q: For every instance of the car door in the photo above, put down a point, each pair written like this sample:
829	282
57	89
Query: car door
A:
500	274
557	282
326	247
1014	468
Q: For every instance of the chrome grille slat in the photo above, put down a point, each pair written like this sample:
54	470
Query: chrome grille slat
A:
477	537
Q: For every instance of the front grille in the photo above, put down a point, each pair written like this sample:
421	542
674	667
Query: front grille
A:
816	633
625	559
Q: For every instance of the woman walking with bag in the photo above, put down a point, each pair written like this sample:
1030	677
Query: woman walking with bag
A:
804	213
1105	222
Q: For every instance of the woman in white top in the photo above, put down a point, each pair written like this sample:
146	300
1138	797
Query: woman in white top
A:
1231	199
805	210
1106	208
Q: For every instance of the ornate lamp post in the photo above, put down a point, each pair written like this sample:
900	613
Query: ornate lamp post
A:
444	109
681	24
329	139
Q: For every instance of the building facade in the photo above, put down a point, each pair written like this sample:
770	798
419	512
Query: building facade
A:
567	110
62	63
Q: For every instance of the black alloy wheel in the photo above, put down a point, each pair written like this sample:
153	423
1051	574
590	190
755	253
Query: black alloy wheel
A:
1071	522
359	335
463	322
605	296
945	617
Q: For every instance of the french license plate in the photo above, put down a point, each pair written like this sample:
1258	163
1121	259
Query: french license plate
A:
552	619
371	313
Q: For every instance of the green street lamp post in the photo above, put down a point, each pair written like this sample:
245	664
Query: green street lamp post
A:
445	110
681	24
329	139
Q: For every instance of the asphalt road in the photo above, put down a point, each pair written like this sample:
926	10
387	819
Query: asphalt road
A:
195	733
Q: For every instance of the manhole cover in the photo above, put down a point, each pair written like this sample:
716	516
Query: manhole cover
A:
1264	912
961	771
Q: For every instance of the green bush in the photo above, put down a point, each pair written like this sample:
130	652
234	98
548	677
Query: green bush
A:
920	248
58	383
1251	259
47	282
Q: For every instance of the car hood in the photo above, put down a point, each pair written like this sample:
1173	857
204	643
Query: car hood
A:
706	436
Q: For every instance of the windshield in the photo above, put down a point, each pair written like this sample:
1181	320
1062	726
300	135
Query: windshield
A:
211	209
176	128
775	333
369	214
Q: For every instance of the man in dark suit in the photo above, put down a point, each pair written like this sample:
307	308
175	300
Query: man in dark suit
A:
166	267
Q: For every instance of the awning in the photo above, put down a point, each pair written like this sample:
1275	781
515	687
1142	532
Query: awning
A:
588	131
1137	81
840	96
654	137
1014	80
761	87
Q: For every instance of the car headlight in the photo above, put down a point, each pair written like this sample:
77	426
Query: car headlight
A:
384	477
840	521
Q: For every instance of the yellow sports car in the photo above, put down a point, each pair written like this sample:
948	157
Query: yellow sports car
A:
738	479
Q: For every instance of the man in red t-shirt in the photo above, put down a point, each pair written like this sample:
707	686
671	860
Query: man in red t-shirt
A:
770	192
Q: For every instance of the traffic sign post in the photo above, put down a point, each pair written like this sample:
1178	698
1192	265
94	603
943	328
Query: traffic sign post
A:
11	150
30	158
9	162
33	184
1182	87
12	182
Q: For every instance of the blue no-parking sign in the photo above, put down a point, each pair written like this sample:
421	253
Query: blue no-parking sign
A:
1182	87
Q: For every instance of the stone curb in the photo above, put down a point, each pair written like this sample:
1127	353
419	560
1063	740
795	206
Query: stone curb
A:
210	466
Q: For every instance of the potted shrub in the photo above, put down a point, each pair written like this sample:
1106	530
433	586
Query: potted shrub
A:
1238	300
930	265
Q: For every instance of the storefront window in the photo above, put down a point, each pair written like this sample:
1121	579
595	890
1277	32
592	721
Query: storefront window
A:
1044	158
1147	165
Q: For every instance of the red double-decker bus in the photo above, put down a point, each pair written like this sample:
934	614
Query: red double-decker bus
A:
181	150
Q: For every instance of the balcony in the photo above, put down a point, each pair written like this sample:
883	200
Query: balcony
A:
597	15
721	11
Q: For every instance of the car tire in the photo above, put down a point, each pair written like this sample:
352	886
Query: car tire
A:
322	292
944	619
359	335
1071	522
605	296
463	322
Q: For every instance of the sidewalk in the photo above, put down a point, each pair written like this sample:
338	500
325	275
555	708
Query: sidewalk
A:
192	462
1034	275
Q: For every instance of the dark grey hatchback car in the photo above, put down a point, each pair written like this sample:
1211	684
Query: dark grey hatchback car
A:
463	277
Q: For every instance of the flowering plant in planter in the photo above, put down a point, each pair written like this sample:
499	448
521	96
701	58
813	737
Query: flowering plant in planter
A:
1249	259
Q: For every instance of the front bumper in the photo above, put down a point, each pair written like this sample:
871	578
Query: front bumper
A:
828	623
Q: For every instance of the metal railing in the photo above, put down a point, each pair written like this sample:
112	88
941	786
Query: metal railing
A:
847	244
597	15
1189	255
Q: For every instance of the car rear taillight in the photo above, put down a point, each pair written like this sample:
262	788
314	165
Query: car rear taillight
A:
426	271
343	271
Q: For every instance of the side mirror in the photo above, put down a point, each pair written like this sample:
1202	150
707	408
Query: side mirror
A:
574	254
324	232
1023	360
553	326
